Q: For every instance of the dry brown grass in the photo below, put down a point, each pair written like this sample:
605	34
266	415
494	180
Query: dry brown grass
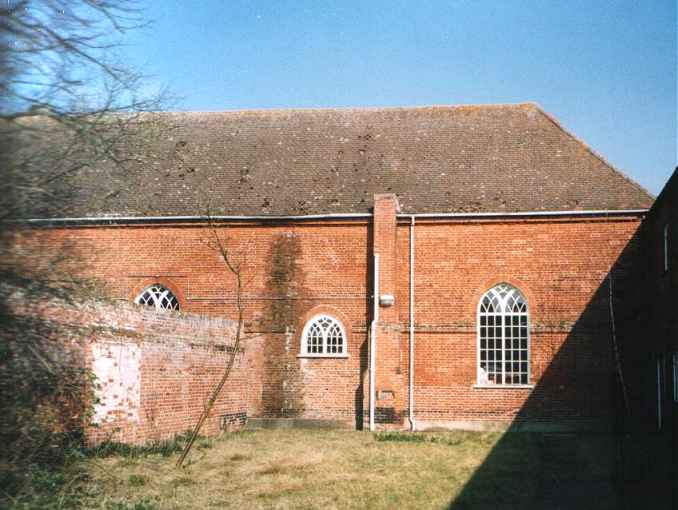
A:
296	468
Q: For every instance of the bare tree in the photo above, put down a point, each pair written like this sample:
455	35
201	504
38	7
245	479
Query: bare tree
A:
234	264
66	101
67	107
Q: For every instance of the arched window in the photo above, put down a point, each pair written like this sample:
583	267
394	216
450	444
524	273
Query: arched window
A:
158	297
503	337
323	336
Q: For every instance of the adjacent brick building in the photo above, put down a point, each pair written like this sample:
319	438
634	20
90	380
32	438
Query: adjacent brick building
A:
477	239
648	340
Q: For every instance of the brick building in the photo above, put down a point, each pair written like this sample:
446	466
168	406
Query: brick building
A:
441	266
648	343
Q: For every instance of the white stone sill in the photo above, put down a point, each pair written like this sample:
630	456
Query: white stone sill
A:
502	386
323	356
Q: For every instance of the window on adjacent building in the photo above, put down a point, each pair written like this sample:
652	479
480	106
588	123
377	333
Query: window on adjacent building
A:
158	297
660	390
666	247
323	336
503	337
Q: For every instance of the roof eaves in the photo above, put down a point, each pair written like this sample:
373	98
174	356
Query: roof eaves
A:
112	220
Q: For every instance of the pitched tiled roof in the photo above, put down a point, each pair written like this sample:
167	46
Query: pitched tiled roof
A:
493	158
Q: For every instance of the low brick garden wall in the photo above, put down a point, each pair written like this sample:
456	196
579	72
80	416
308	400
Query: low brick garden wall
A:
153	371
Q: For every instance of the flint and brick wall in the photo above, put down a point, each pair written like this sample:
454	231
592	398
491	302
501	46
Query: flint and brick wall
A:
294	269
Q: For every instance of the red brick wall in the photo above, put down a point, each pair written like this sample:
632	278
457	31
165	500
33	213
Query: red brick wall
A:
289	271
292	268
559	266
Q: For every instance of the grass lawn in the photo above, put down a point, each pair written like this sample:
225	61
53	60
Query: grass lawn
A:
299	468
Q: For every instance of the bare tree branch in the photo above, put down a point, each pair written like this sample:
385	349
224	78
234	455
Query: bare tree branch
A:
235	268
69	110
66	103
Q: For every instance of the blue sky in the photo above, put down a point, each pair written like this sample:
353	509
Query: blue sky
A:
605	69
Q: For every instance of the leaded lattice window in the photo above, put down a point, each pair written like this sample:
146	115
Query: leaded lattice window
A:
503	337
158	297
323	336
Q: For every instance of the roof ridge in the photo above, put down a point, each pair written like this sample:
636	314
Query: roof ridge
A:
356	108
589	149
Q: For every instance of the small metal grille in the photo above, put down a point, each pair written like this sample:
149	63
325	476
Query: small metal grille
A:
158	297
323	335
503	337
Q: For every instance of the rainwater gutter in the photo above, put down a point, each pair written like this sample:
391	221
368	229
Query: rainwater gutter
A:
527	214
112	220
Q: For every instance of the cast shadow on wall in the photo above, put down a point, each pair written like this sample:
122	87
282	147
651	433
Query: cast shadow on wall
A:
622	461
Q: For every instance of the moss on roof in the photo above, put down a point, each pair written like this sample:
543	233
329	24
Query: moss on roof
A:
485	158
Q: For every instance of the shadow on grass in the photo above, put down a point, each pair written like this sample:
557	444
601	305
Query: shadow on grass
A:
604	456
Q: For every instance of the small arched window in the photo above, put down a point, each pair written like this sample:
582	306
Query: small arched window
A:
503	337
159	297
323	336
